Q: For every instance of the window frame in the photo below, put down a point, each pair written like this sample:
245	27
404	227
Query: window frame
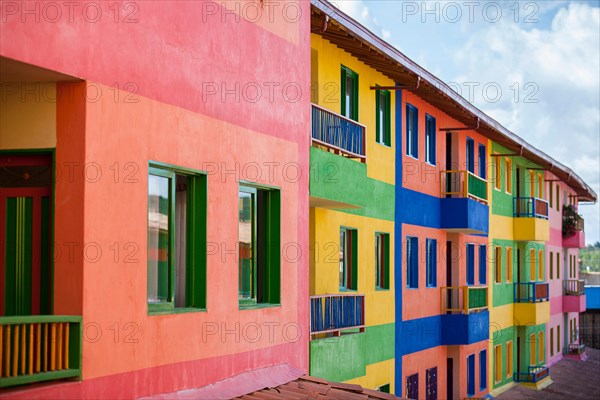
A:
430	140
196	227
412	141
509	359
551	341
498	363
498	264
483	264
471	375
509	264
349	73
266	280
482	156
541	266
498	173
532	265
470	155
353	279
541	347
470	266
385	268
385	96
483	370
508	181
412	262
431	263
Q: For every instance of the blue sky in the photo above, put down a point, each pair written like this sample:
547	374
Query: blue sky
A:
534	66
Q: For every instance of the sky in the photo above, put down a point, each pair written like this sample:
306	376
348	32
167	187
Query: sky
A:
534	66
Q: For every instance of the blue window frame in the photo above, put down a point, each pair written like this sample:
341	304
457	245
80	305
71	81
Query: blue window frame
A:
471	375
470	264
430	145
470	155
431	262
412	262
482	264
482	164
482	370
412	131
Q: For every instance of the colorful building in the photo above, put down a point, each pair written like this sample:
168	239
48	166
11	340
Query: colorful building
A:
137	151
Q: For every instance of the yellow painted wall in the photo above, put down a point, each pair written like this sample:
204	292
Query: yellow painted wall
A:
378	374
500	228
327	92
531	229
532	313
501	318
324	269
28	116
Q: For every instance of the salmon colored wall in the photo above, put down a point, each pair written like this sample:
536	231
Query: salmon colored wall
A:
19	129
419	363
460	354
419	175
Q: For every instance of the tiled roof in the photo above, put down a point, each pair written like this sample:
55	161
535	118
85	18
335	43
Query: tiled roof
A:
309	387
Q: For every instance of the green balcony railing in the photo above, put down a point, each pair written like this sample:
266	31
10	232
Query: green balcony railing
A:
38	348
463	184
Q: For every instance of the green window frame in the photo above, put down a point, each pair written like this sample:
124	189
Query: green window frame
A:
348	258
349	84
382	261
177	201
259	240
383	117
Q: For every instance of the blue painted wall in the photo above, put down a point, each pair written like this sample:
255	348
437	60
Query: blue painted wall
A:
465	214
398	215
465	329
592	297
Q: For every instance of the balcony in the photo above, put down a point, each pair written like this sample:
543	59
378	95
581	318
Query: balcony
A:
334	313
573	231
39	348
530	219
338	134
574	349
574	299
531	303
534	374
465	316
464	206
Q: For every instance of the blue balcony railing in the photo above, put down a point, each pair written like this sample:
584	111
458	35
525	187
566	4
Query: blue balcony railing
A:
333	313
338	133
535	373
530	207
531	292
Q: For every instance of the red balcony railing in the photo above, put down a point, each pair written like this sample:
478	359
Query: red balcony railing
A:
339	134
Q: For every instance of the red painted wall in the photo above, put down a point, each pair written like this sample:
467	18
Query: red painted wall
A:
178	61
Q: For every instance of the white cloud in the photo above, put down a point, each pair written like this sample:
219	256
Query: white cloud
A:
359	10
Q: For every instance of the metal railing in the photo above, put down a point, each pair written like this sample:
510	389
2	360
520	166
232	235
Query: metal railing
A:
531	207
333	313
574	349
534	374
531	292
338	133
38	348
464	299
463	184
574	287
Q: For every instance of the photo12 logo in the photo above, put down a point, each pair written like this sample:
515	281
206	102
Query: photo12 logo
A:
69	11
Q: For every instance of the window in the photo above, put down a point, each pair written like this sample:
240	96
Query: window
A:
508	175
482	370
431	262
558	339
541	342
176	218
482	163
557	265
430	136
551	268
531	183
412	262
570	331
557	199
509	264
509	359
470	264
540	186
412	131
383	117
532	348
551	342
471	375
498	173
384	388
550	194
532	265
541	265
431	384
412	386
382	261
349	93
259	244
482	264
498	264
348	258
470	155
498	363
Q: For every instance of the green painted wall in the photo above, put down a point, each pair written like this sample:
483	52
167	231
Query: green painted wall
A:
340	179
502	337
503	293
346	357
